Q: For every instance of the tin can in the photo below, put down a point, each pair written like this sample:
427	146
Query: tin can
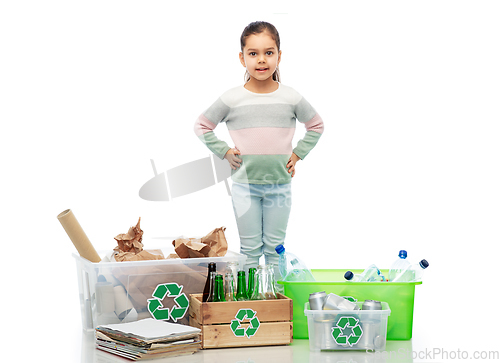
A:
335	302
370	339
372	305
323	332
316	300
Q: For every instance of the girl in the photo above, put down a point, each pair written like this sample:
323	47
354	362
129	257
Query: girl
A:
261	117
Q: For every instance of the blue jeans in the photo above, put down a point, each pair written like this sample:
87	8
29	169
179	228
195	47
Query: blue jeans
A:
261	212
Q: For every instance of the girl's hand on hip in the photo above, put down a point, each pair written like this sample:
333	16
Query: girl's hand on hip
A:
233	160
291	164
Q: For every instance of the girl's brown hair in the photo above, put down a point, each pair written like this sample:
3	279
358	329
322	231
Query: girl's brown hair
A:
258	27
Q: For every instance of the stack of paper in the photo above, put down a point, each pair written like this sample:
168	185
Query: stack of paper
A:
148	338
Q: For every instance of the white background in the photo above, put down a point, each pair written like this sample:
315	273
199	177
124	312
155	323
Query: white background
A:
409	93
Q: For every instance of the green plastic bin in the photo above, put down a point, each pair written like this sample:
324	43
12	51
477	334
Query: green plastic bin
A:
399	296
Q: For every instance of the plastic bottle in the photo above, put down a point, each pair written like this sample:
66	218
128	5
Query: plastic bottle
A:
400	265
413	272
371	274
212	267
291	267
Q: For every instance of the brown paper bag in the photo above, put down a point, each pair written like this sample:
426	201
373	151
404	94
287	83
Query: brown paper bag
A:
213	244
130	247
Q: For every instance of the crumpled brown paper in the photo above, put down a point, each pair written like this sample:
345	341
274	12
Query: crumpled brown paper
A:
213	244
130	247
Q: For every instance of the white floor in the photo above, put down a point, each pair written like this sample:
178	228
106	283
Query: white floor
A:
297	352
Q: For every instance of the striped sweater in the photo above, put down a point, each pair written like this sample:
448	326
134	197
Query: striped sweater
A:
262	126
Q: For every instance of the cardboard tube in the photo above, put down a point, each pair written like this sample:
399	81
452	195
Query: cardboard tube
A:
78	236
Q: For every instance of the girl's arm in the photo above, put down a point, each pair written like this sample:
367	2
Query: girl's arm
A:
306	114
207	122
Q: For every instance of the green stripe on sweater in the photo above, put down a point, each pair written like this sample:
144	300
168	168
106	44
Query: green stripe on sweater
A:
262	169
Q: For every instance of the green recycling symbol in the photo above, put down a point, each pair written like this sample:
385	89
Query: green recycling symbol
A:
241	315
355	334
156	308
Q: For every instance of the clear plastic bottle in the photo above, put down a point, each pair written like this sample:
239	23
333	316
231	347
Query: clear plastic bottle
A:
291	267
371	274
413	272
399	266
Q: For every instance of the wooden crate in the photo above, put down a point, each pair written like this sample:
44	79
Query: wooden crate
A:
227	324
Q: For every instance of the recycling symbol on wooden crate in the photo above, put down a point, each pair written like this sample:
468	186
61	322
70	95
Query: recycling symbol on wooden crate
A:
340	331
156	308
250	330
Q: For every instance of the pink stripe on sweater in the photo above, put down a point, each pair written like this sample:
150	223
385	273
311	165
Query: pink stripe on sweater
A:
315	124
203	125
263	140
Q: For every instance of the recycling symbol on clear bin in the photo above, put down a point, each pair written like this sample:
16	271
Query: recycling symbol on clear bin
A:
250	330
338	331
156	308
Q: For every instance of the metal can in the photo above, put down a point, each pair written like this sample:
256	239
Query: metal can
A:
370	339
316	300
372	305
322	327
335	302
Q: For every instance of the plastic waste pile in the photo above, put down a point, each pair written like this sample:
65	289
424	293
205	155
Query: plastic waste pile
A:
401	271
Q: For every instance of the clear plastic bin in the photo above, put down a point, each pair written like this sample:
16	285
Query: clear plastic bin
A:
119	292
364	330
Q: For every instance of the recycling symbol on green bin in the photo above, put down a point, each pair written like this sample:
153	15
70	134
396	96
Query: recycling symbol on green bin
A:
156	308
250	330
338	331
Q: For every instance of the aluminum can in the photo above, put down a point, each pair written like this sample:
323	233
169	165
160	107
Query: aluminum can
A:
316	300
370	339
372	305
323	331
335	302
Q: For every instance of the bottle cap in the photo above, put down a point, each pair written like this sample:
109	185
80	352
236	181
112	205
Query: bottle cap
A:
279	249
348	275
424	264
402	254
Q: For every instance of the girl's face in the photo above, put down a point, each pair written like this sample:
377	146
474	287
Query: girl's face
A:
260	56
